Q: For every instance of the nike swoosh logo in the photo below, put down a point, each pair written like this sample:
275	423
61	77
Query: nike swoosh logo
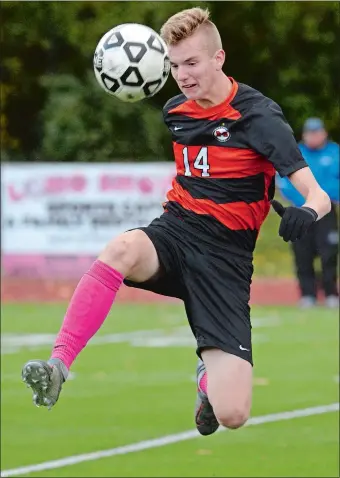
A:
176	128
243	348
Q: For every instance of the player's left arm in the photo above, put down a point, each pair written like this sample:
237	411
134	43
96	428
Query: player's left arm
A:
272	137
315	197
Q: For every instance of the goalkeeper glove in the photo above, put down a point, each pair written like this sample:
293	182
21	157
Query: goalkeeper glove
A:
295	221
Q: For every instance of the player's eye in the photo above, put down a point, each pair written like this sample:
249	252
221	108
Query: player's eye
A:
192	63
174	66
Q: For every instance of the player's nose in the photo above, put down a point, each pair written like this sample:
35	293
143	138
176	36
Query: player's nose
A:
182	73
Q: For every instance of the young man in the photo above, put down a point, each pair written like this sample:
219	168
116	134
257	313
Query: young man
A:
228	139
322	156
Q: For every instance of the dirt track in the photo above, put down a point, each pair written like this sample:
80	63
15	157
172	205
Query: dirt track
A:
264	291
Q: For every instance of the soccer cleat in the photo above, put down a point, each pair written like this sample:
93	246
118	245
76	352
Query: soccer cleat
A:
206	422
45	379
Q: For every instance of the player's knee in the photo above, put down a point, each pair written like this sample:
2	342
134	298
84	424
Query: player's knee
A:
122	253
232	417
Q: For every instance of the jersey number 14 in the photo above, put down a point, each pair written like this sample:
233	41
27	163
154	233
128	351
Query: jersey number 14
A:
200	162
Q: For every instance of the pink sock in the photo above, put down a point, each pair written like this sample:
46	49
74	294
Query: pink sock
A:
203	383
89	307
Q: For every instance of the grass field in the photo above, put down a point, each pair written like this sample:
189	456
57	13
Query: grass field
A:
134	382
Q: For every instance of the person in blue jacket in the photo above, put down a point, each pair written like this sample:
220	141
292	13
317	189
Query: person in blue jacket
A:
322	156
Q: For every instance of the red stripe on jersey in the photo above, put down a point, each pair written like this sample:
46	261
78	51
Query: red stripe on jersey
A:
235	216
223	162
223	110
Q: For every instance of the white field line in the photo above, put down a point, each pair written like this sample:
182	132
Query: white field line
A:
162	441
177	336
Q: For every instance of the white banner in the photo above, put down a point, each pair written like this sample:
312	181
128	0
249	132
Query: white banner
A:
77	208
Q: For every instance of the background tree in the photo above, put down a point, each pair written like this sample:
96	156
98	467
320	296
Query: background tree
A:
53	110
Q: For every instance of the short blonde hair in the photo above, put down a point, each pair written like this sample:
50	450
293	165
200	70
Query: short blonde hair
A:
185	23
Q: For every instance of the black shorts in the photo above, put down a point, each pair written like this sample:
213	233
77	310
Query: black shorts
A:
213	281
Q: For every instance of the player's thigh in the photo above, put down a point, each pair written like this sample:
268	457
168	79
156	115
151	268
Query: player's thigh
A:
170	239
229	386
133	254
217	303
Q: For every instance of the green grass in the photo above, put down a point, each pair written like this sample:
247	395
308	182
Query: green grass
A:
272	257
123	393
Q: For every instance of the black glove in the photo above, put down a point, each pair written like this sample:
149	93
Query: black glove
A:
295	221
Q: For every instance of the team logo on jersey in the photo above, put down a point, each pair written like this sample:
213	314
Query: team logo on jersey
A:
221	133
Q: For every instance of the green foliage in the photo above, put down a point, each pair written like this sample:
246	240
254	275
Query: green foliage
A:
52	108
76	132
289	51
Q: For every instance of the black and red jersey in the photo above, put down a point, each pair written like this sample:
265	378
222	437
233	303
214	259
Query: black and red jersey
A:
226	157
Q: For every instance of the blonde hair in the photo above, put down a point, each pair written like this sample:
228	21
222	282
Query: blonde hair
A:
185	23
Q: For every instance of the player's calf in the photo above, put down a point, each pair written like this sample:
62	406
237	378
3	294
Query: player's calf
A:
229	387
130	255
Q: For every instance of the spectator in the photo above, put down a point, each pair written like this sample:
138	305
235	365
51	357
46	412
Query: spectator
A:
321	241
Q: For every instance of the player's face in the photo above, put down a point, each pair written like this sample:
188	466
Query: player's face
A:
194	67
315	139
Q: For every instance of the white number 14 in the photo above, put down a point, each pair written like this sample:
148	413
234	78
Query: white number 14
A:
201	162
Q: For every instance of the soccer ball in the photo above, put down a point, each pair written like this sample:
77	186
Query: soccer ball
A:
131	62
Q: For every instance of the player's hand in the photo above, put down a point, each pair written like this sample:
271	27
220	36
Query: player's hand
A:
295	221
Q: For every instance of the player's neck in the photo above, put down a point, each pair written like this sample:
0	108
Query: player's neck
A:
219	94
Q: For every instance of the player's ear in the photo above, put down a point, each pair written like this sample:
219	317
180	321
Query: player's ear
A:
219	59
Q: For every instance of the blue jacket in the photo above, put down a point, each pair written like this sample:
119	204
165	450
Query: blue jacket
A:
324	164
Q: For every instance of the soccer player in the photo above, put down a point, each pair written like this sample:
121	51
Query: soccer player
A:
228	140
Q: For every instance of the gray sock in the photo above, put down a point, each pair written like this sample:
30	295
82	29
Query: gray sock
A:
63	368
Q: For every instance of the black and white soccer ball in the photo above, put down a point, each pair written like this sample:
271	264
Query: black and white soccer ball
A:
131	62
